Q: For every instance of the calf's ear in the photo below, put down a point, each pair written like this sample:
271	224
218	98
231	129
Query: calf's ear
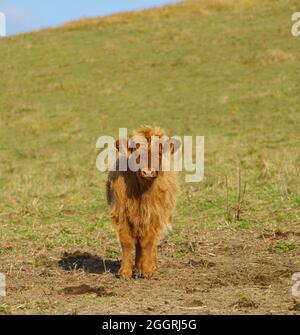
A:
173	144
121	145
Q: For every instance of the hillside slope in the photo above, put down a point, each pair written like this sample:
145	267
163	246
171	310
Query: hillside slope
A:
228	70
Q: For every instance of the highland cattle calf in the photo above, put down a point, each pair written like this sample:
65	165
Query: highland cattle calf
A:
142	203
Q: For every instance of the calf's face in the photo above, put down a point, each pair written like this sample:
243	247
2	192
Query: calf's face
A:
149	167
147	153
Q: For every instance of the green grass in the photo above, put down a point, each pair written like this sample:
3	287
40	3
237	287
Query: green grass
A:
4	310
230	73
283	246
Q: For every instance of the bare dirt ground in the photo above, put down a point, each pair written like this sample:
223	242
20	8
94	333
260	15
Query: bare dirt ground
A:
224	271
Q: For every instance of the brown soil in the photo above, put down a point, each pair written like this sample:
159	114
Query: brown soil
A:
224	272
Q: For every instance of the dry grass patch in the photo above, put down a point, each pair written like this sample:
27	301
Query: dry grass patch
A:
271	56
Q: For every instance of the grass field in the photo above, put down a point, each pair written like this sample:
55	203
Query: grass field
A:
228	70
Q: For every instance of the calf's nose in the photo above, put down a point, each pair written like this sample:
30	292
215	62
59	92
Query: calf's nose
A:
148	173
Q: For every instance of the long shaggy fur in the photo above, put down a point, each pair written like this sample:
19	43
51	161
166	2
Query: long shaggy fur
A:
145	208
141	210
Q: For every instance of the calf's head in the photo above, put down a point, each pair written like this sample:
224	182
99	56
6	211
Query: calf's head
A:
146	148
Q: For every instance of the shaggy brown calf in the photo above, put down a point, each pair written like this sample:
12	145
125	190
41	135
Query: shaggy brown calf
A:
142	205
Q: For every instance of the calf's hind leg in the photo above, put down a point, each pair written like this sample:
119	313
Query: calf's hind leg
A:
138	255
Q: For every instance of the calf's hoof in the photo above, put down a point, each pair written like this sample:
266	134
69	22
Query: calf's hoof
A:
147	272
125	273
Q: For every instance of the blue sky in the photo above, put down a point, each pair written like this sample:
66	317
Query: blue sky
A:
27	15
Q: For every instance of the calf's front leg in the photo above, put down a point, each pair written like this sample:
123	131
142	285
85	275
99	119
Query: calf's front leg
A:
127	244
147	261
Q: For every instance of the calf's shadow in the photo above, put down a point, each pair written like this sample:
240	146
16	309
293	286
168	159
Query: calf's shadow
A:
88	262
